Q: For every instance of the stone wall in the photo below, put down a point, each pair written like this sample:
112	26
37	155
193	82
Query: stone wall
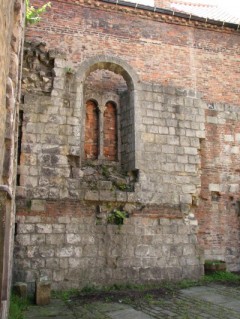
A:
158	240
166	173
11	40
74	246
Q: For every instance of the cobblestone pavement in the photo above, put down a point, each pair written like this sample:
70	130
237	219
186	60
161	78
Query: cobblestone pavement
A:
214	301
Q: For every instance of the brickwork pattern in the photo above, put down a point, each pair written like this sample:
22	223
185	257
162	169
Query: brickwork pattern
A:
220	185
91	145
110	132
191	55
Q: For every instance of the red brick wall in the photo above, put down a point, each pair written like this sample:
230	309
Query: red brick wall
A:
91	146
204	57
218	213
110	132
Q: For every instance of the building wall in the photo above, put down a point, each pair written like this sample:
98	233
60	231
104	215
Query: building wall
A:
178	146
11	17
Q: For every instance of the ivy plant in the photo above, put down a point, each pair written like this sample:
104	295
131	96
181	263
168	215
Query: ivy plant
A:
33	15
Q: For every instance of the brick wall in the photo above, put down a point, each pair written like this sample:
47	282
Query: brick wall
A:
177	113
161	49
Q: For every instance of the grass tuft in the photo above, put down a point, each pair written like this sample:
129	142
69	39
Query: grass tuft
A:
222	276
17	307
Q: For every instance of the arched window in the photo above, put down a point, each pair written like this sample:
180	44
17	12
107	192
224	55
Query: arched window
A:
111	82
91	145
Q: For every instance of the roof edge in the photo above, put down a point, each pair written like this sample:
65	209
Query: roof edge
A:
173	13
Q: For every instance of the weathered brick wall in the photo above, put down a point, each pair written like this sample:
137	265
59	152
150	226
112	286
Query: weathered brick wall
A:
161	49
175	72
218	213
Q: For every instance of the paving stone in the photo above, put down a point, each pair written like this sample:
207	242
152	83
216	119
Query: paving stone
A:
211	302
128	314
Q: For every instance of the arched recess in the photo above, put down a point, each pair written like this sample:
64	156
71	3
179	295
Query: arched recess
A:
128	124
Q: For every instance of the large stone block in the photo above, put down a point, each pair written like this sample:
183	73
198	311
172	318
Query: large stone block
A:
43	293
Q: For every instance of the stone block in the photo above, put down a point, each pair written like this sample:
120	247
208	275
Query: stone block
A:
214	187
228	138
67	251
105	185
191	150
234	188
58	228
44	228
107	195
73	238
25	228
20	289
189	189
23	239
38	205
186	199
92	195
212	119
72	228
55	239
235	150
52	263
43	293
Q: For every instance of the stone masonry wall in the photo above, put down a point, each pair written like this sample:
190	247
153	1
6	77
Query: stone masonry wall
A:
167	153
69	243
162	182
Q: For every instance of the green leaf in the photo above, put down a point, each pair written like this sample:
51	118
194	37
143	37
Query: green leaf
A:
33	14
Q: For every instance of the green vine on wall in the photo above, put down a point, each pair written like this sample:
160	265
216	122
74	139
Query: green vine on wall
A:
117	217
33	15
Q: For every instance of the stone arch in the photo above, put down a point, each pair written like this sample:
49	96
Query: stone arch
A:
129	109
114	64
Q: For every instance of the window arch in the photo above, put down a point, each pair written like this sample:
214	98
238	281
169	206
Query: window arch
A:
123	147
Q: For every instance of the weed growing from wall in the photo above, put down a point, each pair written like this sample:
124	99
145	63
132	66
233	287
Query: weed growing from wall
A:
116	217
33	15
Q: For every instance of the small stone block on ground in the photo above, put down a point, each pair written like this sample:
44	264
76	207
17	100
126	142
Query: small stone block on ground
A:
20	289
43	293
